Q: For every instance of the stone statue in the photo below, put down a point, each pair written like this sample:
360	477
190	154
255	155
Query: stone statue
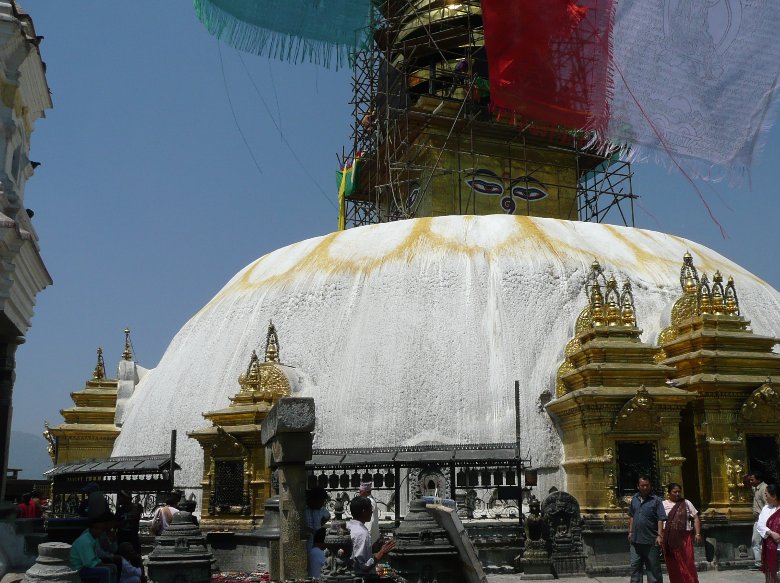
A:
561	515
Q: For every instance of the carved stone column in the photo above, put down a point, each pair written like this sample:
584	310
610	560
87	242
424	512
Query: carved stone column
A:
287	435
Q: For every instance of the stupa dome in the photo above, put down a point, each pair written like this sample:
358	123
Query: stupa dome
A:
415	331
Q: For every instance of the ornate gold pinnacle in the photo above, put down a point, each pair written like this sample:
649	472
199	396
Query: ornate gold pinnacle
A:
612	299
127	353
689	277
628	315
718	293
732	303
251	379
100	368
705	296
271	344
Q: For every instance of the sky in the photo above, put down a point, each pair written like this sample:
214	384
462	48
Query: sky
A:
169	162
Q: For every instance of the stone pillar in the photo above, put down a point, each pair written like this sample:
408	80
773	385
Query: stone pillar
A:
52	566
7	378
287	435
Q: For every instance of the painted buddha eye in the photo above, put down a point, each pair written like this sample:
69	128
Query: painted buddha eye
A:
486	182
528	188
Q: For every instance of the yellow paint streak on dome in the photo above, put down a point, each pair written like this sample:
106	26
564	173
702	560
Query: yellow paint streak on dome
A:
526	232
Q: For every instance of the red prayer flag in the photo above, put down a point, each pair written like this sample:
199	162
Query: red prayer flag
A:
549	61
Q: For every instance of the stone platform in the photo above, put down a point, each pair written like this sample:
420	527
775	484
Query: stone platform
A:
735	576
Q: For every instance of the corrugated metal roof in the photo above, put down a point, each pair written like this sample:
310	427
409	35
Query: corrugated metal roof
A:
115	465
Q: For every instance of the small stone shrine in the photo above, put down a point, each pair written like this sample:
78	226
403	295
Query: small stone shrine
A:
287	436
52	565
180	553
268	533
535	561
561	515
338	545
424	553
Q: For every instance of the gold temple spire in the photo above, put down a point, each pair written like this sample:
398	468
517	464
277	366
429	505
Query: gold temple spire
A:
251	379
689	277
127	354
718	293
705	295
732	303
612	299
628	315
271	344
100	368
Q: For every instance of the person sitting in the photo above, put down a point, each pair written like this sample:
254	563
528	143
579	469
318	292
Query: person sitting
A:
164	514
132	565
363	560
23	508
317	554
84	553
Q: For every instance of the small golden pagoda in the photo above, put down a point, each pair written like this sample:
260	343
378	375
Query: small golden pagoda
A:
617	415
236	478
733	425
89	430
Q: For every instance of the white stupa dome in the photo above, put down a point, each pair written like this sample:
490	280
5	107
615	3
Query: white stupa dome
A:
415	331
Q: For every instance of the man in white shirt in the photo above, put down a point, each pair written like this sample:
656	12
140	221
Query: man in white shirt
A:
363	560
373	527
756	480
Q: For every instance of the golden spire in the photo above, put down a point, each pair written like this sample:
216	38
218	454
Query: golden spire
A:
628	311
612	299
718	304
127	353
597	305
689	278
705	299
271	344
732	303
100	368
251	380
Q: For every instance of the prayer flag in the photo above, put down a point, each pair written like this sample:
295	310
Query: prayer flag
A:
549	61
291	30
695	80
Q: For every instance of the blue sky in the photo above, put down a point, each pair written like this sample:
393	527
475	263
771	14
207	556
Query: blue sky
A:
147	200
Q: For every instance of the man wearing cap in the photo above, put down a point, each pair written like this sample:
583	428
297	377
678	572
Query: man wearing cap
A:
84	553
373	527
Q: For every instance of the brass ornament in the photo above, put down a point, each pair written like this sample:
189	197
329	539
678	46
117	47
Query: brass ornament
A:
560	387
99	373
762	406
638	414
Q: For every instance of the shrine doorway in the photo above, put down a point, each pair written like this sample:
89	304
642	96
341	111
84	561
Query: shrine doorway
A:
634	459
764	456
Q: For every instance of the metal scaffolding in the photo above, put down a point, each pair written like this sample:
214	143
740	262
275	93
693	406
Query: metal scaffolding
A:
417	103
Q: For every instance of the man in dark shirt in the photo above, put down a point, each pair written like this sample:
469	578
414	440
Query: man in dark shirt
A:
646	516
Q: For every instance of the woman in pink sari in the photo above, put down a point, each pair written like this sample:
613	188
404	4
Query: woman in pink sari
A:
768	527
682	519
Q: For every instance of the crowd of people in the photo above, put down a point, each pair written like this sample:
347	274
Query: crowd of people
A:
672	526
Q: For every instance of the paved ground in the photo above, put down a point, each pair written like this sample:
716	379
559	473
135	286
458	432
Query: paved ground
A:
739	576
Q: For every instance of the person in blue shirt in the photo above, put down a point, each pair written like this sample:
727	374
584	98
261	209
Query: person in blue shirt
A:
317	554
646	516
85	552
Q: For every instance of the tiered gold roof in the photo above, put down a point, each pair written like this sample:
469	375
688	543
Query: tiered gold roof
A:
88	431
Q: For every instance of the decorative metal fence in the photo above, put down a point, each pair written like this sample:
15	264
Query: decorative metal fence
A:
484	479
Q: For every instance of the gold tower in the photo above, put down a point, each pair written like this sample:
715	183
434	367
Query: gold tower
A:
89	428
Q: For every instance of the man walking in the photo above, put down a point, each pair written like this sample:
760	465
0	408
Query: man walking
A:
756	481
646	516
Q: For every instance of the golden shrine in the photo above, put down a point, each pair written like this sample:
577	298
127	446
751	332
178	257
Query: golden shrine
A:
236	479
700	408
